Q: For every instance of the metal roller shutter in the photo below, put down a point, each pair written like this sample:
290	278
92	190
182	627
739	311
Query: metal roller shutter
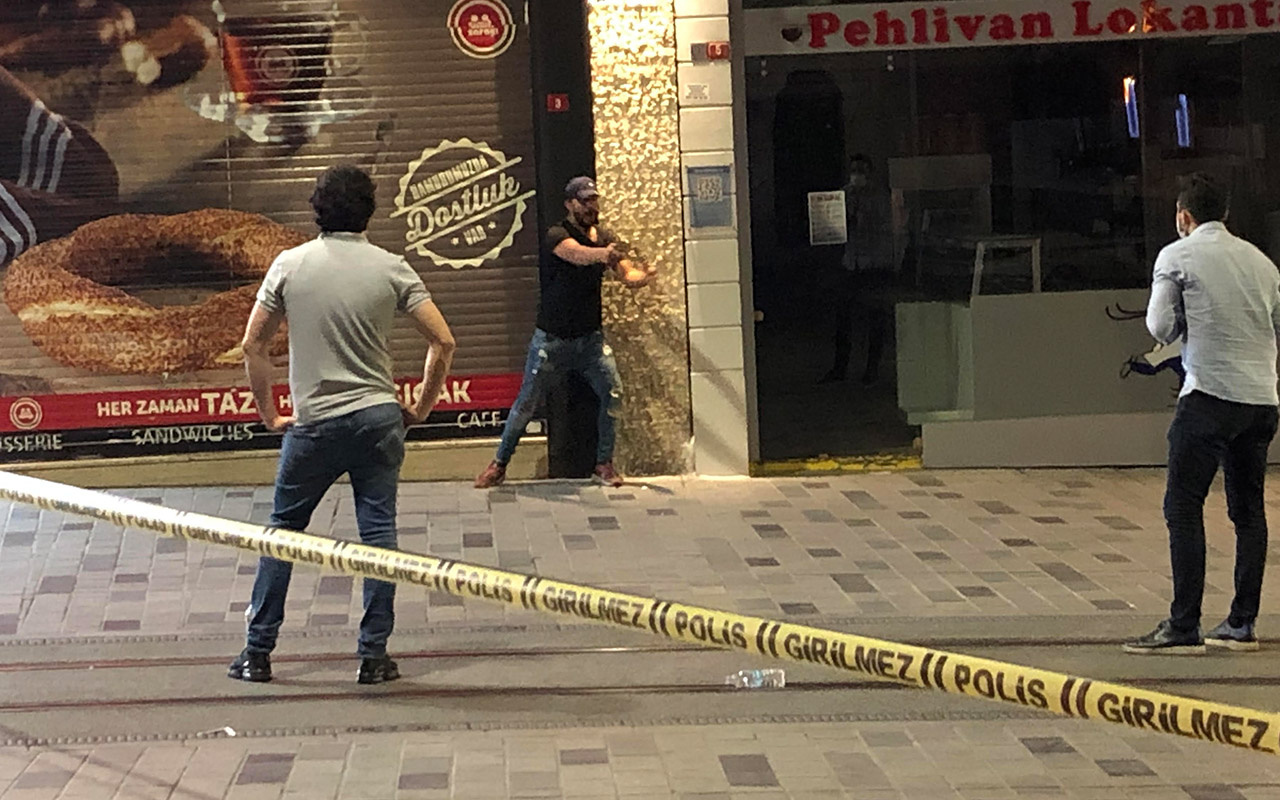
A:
432	96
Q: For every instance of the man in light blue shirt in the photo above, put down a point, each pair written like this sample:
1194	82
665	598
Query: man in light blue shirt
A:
1221	296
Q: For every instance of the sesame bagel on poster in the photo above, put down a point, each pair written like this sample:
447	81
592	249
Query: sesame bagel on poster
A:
907	26
66	292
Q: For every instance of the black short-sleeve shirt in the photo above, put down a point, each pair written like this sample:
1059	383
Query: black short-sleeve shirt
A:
570	302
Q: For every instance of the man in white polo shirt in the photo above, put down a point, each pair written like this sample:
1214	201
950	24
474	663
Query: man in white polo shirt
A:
339	294
1221	296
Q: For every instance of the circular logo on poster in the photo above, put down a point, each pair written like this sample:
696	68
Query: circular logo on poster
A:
482	28
461	203
276	64
25	414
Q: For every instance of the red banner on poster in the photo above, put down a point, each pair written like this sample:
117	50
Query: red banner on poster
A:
57	412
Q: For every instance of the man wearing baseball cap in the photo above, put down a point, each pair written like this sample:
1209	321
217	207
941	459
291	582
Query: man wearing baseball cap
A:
575	256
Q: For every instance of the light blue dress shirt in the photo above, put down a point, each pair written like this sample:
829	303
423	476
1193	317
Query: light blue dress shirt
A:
1222	296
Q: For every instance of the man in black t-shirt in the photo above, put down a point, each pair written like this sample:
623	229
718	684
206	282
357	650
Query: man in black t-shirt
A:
575	257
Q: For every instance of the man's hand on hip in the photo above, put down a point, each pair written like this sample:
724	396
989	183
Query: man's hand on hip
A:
277	423
413	414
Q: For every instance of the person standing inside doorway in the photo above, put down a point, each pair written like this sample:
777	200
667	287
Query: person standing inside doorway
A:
864	278
1221	295
569	338
339	294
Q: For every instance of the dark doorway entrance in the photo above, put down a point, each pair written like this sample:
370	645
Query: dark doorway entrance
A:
824	349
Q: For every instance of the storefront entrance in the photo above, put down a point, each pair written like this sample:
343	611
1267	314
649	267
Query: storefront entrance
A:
949	180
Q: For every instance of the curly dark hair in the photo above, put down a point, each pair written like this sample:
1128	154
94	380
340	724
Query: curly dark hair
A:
343	199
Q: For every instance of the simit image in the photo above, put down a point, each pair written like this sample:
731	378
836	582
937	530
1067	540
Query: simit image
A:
89	289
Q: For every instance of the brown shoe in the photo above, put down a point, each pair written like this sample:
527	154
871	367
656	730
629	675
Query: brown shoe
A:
606	474
493	475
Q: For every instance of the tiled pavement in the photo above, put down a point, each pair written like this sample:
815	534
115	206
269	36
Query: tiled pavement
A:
875	761
911	544
977	544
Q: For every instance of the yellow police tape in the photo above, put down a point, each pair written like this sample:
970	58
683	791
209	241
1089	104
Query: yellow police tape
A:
901	663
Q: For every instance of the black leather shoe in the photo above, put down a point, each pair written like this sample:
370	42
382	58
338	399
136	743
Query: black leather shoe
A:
251	667
377	670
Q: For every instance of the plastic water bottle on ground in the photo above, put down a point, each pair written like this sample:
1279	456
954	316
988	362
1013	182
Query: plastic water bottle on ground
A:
757	679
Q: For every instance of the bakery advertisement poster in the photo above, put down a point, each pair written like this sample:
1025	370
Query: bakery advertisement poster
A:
157	155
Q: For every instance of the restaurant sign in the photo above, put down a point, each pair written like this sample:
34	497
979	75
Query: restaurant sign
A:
985	23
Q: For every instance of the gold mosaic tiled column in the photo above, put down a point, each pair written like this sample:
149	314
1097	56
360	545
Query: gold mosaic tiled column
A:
637	135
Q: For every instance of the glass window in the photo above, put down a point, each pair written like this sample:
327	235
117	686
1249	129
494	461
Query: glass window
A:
1074	146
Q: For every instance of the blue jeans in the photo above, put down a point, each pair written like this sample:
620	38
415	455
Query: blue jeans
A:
550	356
368	445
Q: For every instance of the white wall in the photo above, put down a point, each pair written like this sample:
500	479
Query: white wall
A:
718	329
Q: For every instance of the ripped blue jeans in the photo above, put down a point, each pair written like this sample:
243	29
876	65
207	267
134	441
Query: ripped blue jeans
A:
551	356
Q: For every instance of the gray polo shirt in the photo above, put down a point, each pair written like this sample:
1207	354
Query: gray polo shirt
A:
1222	296
340	295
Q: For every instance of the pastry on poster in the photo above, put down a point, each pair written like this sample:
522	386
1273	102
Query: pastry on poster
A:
54	175
101	107
65	291
74	260
55	36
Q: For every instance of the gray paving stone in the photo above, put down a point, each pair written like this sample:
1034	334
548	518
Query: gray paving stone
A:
266	768
1067	575
584	756
853	583
1045	745
418	781
578	541
798	608
997	507
863	500
1111	604
748	770
57	584
42	779
938	533
1125	767
819	515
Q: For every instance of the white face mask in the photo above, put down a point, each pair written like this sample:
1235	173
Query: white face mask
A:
858	179
1177	223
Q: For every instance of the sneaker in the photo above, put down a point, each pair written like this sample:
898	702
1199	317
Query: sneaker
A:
251	667
1232	637
379	669
1165	641
606	474
493	475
